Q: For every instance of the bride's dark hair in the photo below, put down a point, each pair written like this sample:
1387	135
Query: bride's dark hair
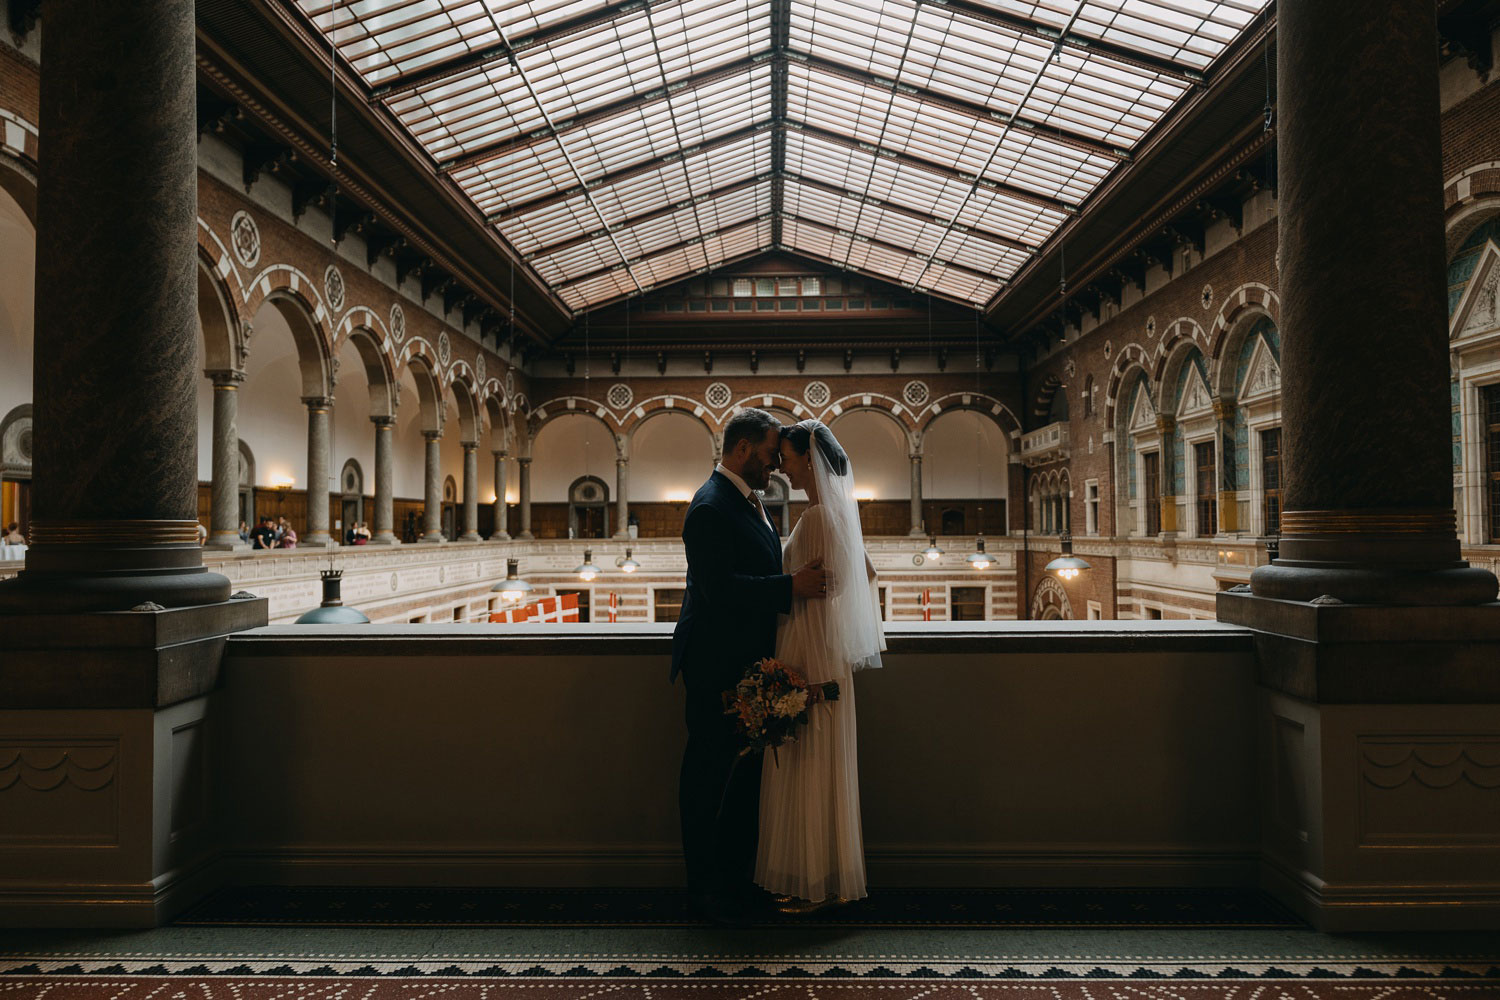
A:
801	438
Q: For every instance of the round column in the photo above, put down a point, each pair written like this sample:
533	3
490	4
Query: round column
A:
317	470
382	528
916	497
622	498
523	465
1366	436
432	513
114	403
224	520
501	533
471	493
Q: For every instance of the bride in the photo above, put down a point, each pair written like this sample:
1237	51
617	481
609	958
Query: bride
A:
811	849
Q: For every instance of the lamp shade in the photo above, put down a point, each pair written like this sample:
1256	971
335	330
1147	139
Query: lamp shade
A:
979	559
513	588
588	570
332	610
932	553
1068	566
628	563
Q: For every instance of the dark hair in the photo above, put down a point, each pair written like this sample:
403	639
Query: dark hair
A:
801	438
749	425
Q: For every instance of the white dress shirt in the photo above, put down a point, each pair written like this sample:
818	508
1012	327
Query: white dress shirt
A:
744	488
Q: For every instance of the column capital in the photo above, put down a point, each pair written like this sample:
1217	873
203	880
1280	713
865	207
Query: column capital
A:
620	463
469	446
318	402
225	378
433	435
523	459
1224	408
383	421
915	457
500	453
1166	425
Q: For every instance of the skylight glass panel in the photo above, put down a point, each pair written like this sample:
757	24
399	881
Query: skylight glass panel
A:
927	142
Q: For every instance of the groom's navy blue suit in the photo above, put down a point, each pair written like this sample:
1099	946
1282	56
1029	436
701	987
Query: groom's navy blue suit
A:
735	589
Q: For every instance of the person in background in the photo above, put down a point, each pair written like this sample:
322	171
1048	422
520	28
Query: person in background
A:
361	534
202	533
264	535
13	534
288	539
244	532
281	527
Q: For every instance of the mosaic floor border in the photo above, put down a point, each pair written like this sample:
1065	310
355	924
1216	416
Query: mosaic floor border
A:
378	988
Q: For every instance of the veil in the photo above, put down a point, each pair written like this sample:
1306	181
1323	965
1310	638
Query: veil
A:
856	635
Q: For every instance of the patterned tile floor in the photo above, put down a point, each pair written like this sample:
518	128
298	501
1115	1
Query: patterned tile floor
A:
774	963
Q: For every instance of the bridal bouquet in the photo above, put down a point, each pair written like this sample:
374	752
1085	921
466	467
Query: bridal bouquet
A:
771	702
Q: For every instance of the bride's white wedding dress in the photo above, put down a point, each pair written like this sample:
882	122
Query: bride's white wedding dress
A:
811	845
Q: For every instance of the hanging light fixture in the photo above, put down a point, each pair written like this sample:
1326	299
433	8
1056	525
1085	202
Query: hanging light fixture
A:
513	588
979	559
932	553
588	570
627	564
1067	565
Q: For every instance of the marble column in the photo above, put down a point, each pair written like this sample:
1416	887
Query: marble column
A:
383	521
115	478
500	534
622	498
523	465
916	497
471	493
1366	432
317	470
224	512
432	510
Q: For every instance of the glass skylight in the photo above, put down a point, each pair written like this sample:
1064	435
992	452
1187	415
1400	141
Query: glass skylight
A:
936	144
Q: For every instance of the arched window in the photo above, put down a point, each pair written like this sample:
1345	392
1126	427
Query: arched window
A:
588	508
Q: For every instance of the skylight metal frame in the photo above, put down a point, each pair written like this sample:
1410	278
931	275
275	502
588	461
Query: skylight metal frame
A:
984	123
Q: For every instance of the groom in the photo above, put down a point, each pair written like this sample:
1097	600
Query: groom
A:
735	589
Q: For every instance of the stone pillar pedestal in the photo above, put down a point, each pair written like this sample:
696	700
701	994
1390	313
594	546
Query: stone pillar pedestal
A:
1375	644
317	470
224	513
382	526
471	493
622	498
523	466
432	493
501	534
916	497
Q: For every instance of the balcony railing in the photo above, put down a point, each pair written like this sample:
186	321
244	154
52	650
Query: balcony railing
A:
1045	444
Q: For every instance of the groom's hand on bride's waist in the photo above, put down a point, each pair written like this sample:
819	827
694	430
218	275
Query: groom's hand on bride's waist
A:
811	580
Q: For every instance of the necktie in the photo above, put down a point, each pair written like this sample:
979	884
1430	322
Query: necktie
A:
760	509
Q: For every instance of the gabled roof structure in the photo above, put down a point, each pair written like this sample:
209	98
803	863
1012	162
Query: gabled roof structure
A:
620	146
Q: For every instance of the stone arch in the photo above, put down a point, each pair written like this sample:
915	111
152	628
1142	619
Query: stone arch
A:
1250	298
1131	356
563	406
502	431
314	359
467	395
380	369
698	415
1182	334
15	443
1223	368
889	406
1169	373
1049	600
224	344
18	165
977	402
766	401
429	391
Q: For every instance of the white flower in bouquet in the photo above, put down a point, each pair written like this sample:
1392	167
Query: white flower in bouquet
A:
791	704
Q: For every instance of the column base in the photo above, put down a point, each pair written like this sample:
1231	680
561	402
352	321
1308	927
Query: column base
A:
526	536
1455	585
384	538
319	538
226	543
36	592
621	536
916	533
433	538
470	536
500	536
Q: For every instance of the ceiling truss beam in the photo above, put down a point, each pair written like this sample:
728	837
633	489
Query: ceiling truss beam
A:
1035	29
882	244
910	213
969	108
624	264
